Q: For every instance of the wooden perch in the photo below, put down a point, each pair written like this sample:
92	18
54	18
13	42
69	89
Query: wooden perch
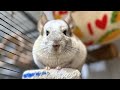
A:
65	73
106	52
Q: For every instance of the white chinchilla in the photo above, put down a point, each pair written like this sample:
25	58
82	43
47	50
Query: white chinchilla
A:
56	45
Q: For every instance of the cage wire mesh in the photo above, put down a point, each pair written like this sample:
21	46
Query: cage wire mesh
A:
18	31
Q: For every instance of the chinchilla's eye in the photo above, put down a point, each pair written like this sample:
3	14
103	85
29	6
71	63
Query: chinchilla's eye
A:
47	33
65	32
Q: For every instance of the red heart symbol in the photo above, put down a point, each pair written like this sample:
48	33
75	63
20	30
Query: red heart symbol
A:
102	23
63	12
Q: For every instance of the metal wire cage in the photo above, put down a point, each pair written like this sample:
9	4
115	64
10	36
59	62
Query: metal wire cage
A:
18	31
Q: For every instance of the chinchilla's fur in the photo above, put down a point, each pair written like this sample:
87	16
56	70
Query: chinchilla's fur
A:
57	46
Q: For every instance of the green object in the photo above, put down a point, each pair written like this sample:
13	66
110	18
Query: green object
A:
103	37
114	15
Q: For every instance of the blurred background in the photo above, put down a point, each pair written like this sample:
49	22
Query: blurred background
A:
18	31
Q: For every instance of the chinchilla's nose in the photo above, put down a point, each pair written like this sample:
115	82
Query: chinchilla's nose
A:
56	44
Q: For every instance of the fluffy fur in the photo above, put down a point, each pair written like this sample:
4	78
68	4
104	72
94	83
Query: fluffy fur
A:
71	52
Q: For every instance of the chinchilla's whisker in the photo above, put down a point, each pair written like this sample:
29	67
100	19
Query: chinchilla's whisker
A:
39	49
69	51
74	48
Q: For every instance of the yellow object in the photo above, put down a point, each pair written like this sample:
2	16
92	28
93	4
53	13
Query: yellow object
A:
78	32
118	17
115	16
10	55
110	36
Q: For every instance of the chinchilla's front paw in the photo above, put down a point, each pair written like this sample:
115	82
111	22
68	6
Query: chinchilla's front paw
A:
58	68
47	68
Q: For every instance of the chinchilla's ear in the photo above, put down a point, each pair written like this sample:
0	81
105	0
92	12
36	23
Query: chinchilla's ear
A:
68	19
41	23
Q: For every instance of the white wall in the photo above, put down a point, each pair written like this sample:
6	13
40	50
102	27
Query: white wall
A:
104	70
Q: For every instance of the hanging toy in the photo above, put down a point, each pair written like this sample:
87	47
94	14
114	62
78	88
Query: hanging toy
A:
95	27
